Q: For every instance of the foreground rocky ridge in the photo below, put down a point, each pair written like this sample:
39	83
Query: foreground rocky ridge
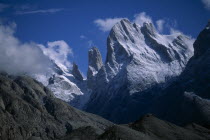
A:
28	110
152	128
146	128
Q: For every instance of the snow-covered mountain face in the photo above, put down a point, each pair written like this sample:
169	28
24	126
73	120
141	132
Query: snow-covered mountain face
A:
139	60
145	56
66	84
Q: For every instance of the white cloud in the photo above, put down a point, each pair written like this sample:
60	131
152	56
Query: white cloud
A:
17	57
206	4
141	18
58	51
160	24
175	31
87	40
50	11
31	58
106	24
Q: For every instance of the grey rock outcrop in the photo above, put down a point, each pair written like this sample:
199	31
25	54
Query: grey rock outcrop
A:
94	65
77	74
152	128
94	59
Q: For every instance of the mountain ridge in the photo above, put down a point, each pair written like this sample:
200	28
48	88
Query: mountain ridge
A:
138	59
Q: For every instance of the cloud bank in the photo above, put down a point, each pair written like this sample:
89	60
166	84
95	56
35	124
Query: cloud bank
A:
17	57
30	58
141	18
58	51
160	24
206	4
106	24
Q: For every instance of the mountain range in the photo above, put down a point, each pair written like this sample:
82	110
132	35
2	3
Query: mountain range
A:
144	72
140	63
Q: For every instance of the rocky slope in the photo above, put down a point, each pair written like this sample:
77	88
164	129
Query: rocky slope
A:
139	62
28	110
152	128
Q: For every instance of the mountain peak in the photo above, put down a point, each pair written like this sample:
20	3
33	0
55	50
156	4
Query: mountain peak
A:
201	45
94	65
94	61
121	33
77	74
125	20
148	28
208	23
121	25
94	58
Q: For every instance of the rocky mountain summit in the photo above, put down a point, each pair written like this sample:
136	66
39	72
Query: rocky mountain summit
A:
132	53
29	111
139	62
94	65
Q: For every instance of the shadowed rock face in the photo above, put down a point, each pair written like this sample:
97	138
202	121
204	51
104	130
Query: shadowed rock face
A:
94	65
187	99
94	59
202	42
29	110
77	74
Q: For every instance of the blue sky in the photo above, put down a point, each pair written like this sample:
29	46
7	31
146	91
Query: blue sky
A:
82	24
